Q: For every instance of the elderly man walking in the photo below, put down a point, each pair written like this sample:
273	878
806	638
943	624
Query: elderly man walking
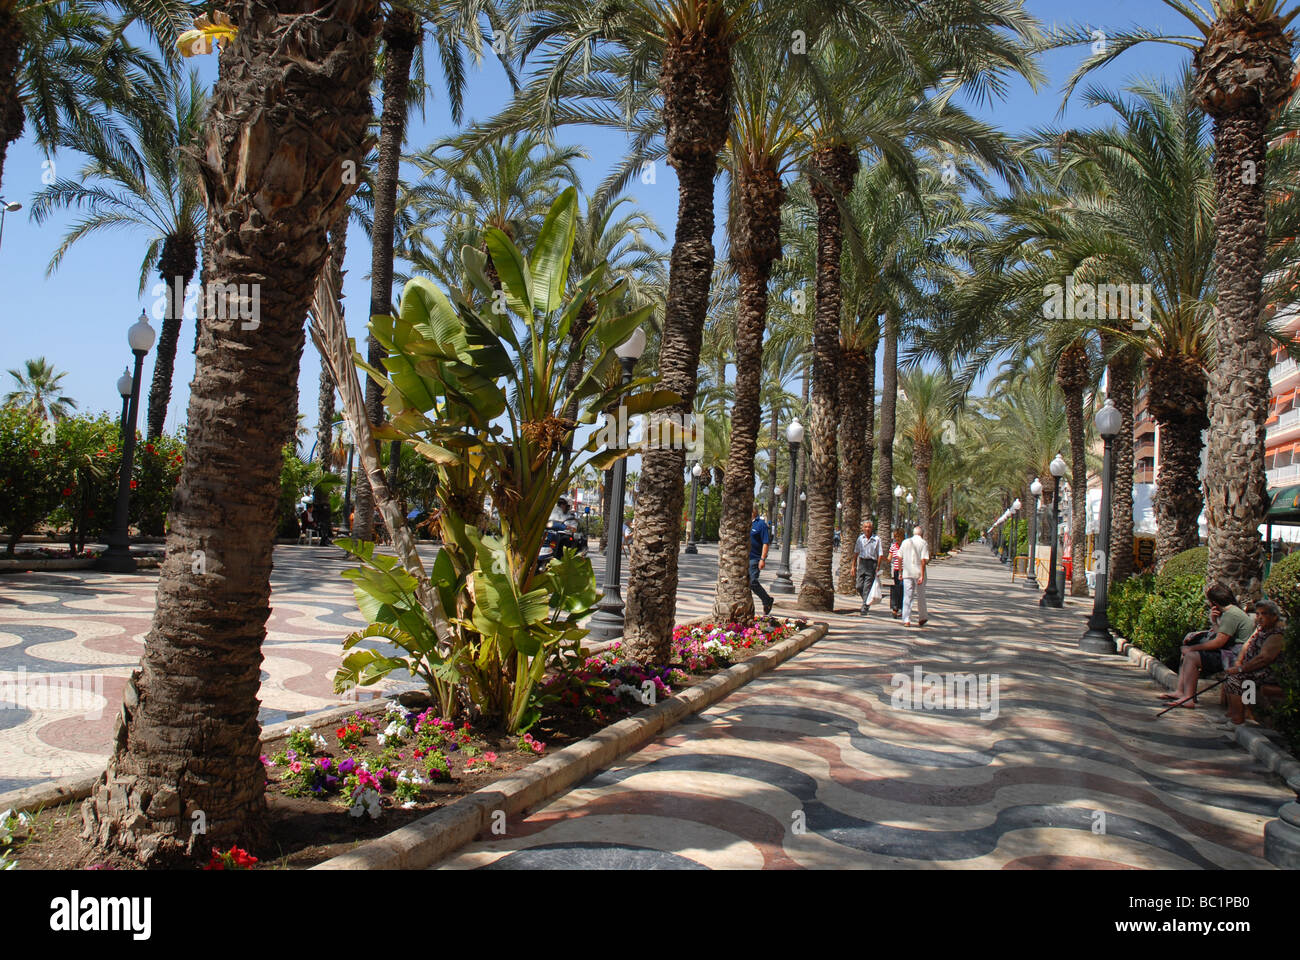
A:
915	554
866	558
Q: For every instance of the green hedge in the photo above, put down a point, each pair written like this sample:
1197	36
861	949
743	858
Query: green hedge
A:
1155	613
1180	565
1283	588
1124	603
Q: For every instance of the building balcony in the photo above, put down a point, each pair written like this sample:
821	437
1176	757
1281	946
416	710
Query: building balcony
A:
1283	476
1283	371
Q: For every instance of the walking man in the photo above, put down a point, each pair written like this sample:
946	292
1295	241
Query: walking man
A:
866	558
915	554
760	538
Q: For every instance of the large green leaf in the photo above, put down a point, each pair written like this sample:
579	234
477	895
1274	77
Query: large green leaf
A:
516	279
553	251
423	303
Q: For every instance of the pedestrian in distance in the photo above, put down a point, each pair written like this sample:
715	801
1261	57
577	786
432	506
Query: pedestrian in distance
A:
915	554
896	570
866	560
760	539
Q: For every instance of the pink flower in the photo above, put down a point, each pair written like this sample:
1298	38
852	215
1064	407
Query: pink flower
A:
295	767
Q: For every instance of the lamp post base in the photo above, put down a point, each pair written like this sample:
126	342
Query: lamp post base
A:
783	584
690	547
117	560
1051	598
1097	640
607	622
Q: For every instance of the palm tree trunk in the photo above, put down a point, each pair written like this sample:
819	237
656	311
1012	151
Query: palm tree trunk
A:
1119	381
853	433
1177	400
772	465
11	107
756	244
864	491
834	168
188	737
176	266
888	413
922	455
1072	373
401	36
695	80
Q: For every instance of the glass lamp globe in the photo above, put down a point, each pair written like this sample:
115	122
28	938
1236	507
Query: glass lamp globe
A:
696	471
1016	505
632	347
1058	467
794	432
909	499
1108	419
1036	488
898	490
141	336
124	384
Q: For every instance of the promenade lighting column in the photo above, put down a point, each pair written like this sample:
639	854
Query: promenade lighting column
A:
125	384
117	558
695	479
1051	596
1015	534
794	436
1035	488
1098	639
910	501
607	622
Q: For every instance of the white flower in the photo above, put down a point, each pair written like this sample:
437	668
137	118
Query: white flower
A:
409	805
367	802
628	689
319	742
381	738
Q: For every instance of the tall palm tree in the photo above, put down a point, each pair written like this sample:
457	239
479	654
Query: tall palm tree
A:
37	389
764	130
1242	60
188	736
142	178
930	402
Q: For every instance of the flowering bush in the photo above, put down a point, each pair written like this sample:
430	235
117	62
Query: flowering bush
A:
235	858
13	826
527	744
708	646
351	733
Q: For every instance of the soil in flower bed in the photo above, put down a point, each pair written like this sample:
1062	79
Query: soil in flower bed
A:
332	786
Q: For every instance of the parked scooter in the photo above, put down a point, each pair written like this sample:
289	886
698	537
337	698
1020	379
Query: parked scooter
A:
561	535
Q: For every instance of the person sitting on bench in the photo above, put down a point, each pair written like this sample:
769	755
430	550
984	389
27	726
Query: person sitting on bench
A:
1209	655
1254	664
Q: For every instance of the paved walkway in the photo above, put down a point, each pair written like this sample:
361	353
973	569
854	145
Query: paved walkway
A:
813	765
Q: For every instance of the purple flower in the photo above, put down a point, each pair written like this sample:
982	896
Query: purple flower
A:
291	755
453	747
347	765
324	763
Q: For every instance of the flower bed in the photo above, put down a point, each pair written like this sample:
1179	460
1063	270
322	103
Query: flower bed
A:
330	786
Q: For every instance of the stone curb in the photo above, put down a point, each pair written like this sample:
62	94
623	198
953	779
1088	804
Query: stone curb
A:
1282	836
54	793
434	837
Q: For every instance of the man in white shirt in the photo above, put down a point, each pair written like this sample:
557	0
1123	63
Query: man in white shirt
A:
866	558
915	554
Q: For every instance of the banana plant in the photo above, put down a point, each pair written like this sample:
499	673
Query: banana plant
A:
478	385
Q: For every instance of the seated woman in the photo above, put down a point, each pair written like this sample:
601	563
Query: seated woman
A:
1254	664
1234	630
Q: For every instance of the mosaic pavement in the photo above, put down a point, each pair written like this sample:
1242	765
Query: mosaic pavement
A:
813	765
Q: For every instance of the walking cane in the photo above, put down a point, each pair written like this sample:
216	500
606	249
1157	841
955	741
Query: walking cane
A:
1178	703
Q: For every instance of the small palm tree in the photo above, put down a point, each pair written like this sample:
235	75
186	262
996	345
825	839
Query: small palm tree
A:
142	180
37	389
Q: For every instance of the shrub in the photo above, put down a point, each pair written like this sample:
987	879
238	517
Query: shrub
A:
1283	585
1168	615
1125	601
31	470
1193	561
1283	588
946	543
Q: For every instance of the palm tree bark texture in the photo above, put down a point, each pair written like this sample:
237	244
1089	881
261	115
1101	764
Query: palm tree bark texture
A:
834	167
1243	73
1119	383
696	82
755	244
1177	401
1073	375
855	429
11	106
291	105
176	266
401	34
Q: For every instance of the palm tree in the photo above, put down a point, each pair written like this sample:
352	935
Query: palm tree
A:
188	737
63	64
38	391
930	403
143	180
1242	60
764	129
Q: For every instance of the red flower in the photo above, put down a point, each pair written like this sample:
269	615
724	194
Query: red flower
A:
148	448
67	491
133	484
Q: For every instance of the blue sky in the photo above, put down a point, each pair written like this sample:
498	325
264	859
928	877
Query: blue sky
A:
77	318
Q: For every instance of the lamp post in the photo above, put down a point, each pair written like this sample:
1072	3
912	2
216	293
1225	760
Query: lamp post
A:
1051	596
124	385
910	501
898	495
1097	639
1035	488
347	496
7	207
117	558
1015	534
794	437
695	479
607	622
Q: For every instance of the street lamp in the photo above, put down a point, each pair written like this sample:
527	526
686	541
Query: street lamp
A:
695	479
794	437
1097	639
124	385
910	501
117	558
898	495
607	622
1015	534
1051	596
1035	488
7	207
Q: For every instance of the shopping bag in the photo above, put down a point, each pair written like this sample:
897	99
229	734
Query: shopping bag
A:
874	593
